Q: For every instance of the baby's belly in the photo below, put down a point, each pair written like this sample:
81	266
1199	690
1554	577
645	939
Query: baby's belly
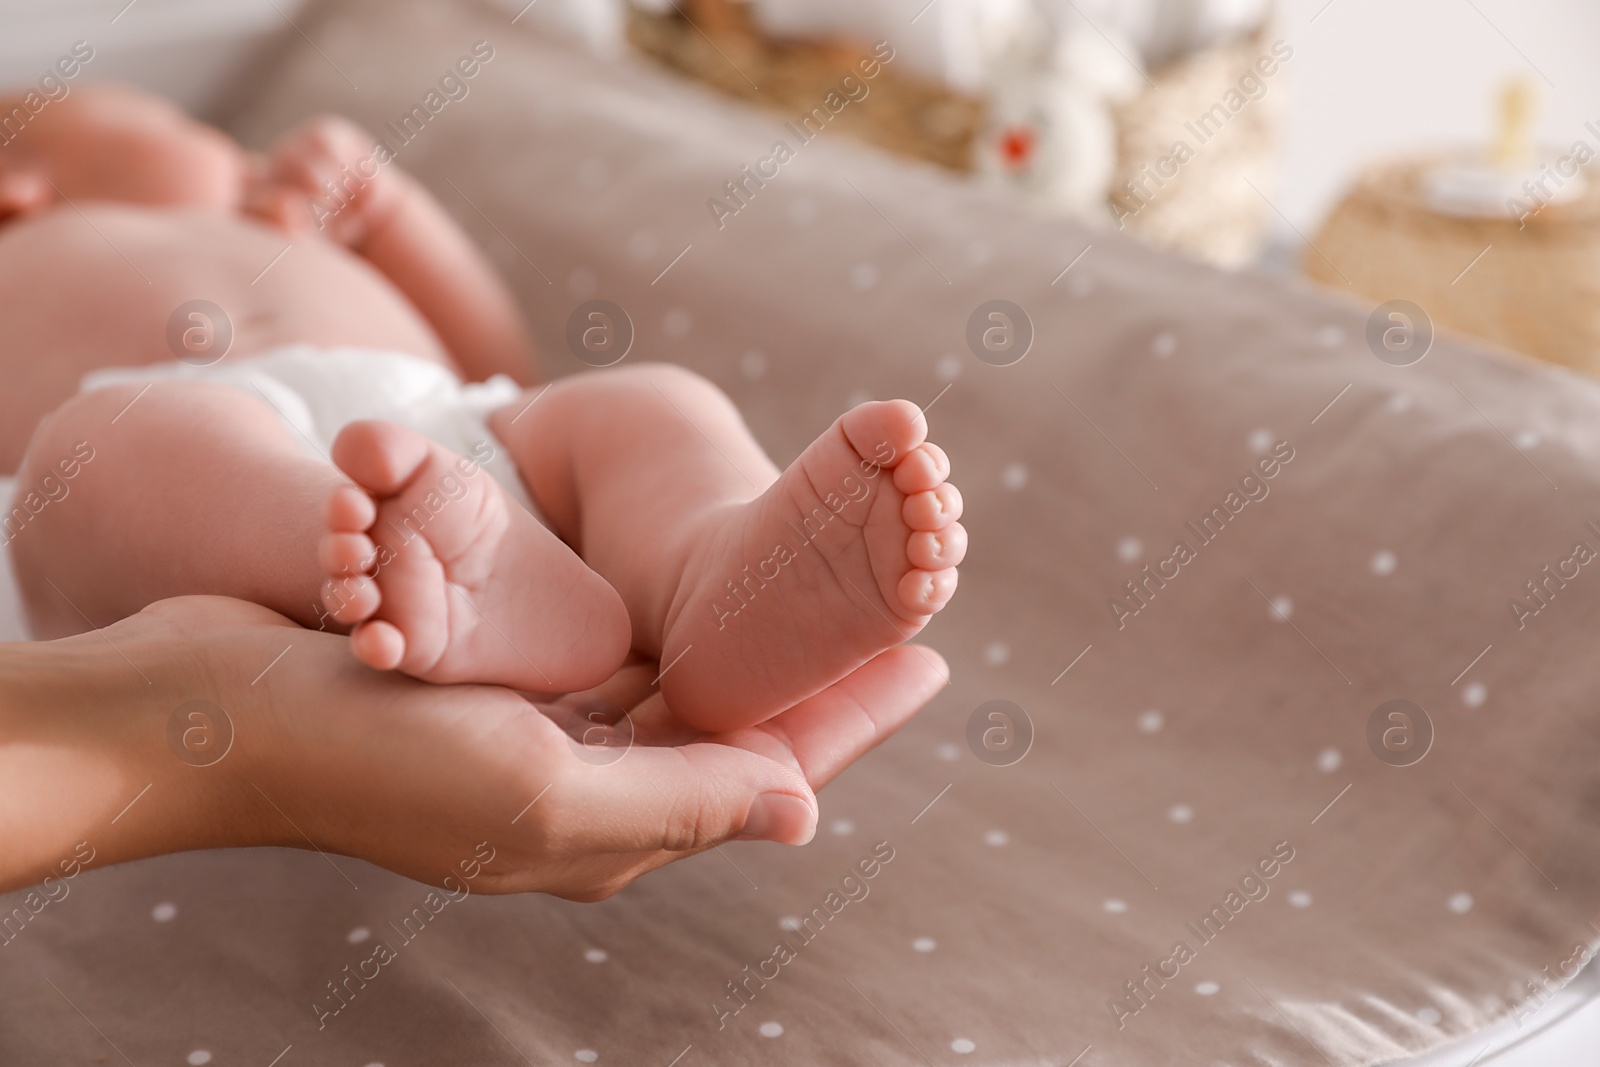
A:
81	292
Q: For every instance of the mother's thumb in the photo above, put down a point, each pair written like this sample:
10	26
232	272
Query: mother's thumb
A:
781	817
681	800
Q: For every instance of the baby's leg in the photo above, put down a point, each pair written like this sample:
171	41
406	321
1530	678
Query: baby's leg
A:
769	585
192	488
197	488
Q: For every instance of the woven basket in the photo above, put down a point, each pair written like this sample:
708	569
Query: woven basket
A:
1208	212
1216	207
1534	288
907	115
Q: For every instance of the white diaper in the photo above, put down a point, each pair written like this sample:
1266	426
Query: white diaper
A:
319	391
12	626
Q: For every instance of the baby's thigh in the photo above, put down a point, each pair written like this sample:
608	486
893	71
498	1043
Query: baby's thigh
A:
135	435
128	473
600	409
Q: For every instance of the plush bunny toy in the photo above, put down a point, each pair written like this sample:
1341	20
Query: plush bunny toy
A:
1049	70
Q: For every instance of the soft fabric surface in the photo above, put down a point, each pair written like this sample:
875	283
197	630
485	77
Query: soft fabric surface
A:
1563	1032
1170	756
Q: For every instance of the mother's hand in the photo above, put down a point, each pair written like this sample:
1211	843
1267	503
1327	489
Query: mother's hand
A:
428	780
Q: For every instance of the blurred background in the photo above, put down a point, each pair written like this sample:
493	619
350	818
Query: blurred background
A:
1385	149
1421	154
1372	80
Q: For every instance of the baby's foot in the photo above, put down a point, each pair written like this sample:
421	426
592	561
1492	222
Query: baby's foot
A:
448	579
848	553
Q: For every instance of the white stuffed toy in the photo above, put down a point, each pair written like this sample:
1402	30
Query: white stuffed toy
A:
1048	129
1049	71
943	40
946	39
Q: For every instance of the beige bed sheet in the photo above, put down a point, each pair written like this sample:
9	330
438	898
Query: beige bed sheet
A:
1173	750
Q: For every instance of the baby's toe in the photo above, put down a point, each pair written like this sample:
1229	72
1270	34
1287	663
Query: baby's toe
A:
885	431
378	644
934	550
923	469
380	456
345	554
351	599
350	510
932	510
925	592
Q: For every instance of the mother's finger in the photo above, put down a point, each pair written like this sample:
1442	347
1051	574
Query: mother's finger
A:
632	682
676	800
597	715
653	723
826	733
602	723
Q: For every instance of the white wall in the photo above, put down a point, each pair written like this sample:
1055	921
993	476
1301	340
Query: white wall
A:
190	50
1372	78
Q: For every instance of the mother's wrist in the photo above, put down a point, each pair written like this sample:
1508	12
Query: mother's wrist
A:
87	776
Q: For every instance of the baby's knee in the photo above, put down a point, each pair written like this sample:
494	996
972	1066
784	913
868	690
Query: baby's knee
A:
676	383
54	472
45	479
64	439
138	422
90	432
